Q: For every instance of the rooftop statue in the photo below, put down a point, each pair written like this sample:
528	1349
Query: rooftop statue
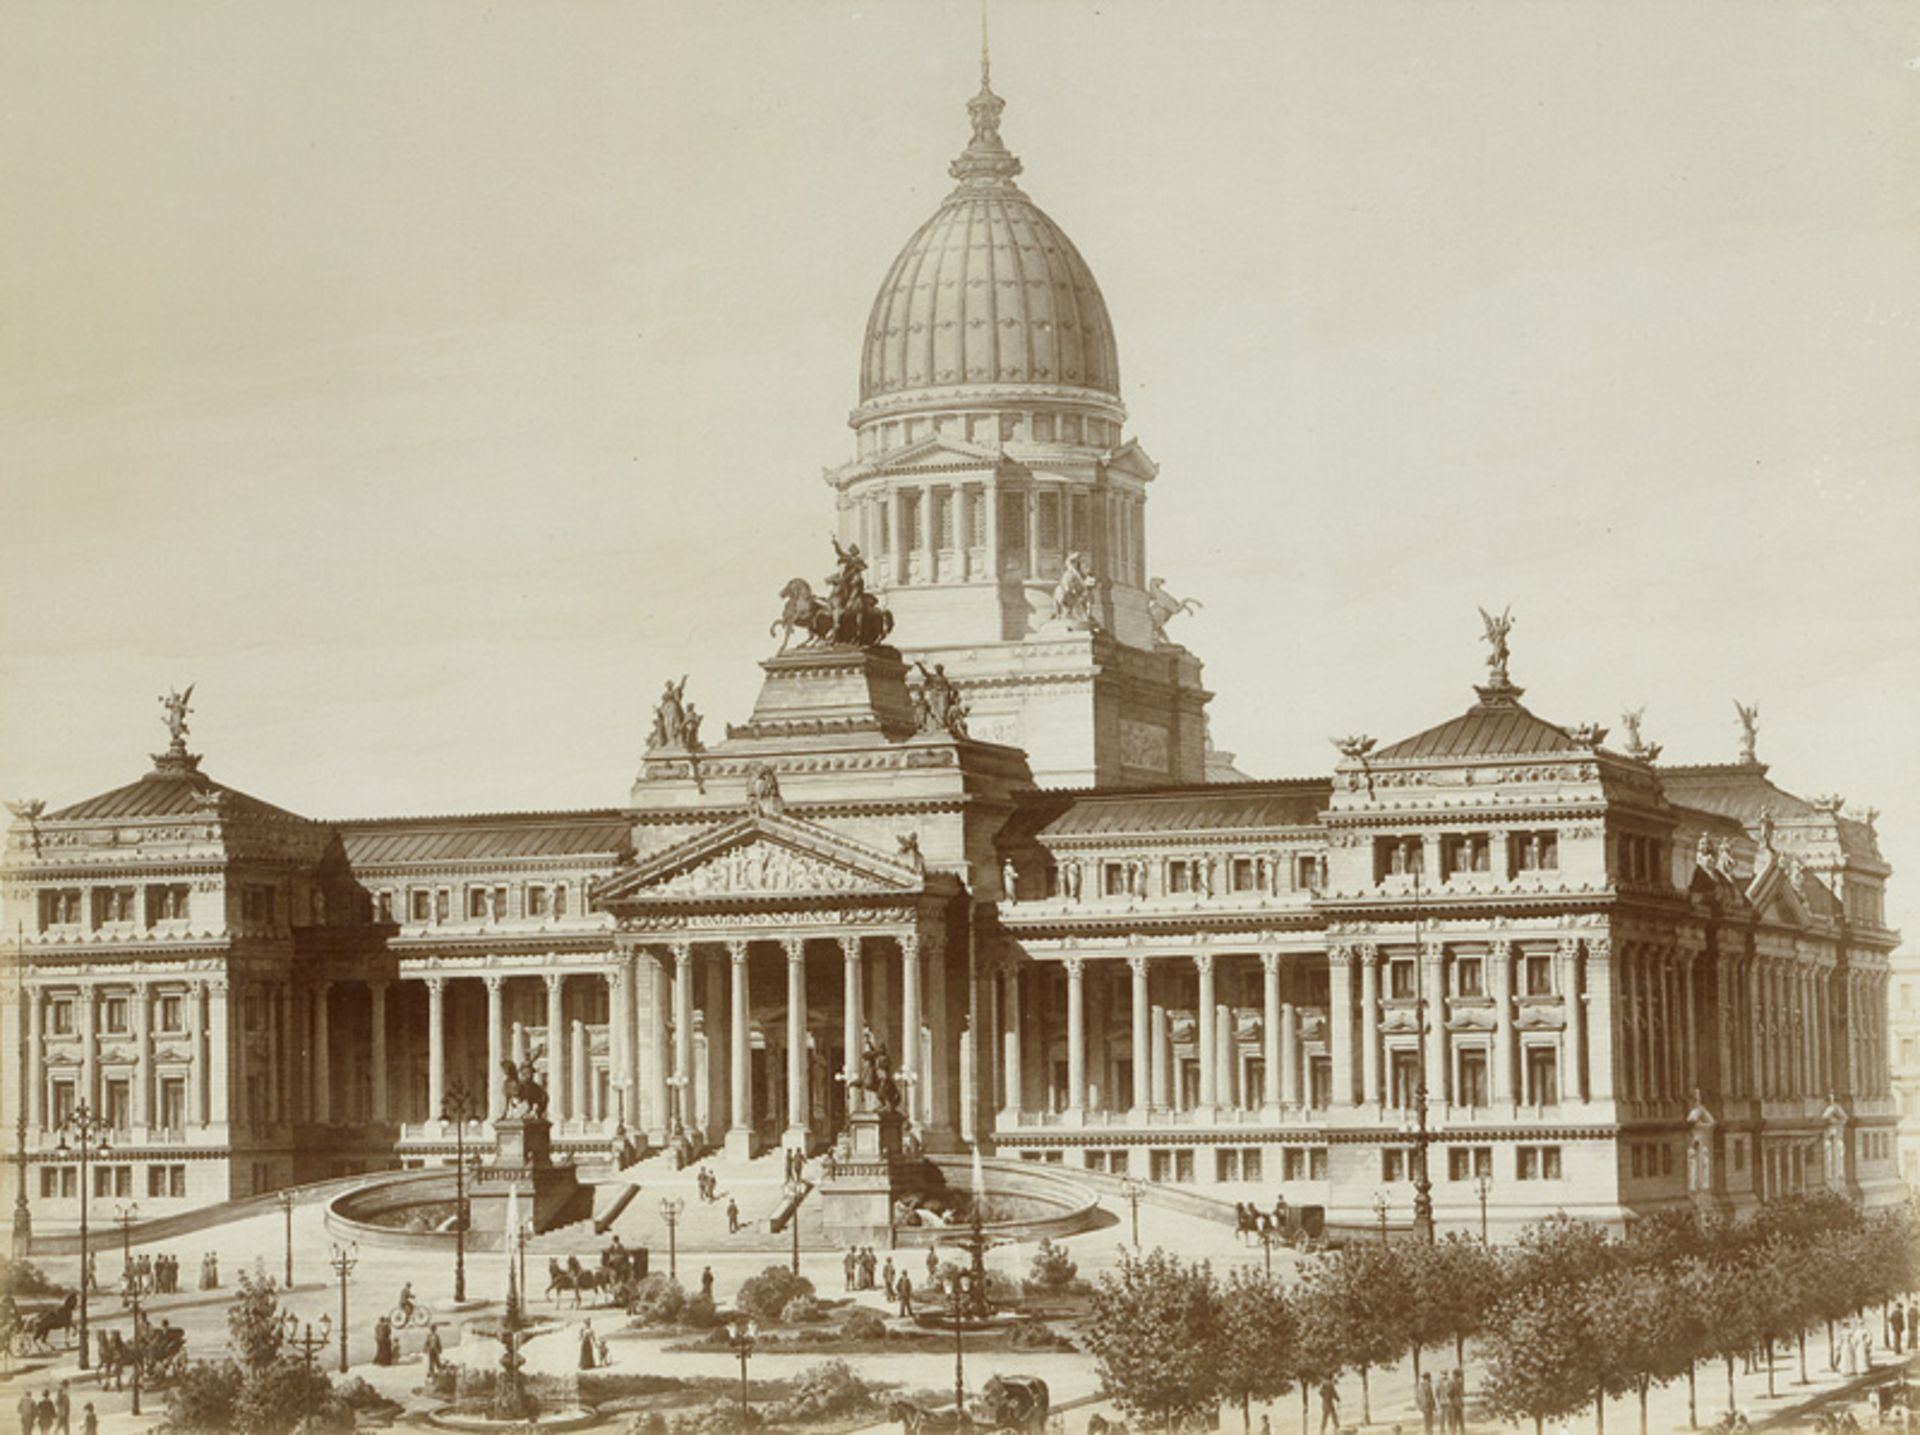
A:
849	615
675	722
1073	595
763	792
936	702
1354	748
1636	747
1496	635
176	719
1163	608
1749	730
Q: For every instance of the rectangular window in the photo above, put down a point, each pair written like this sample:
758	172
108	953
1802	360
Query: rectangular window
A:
167	902
910	519
65	1098
1406	1077
1317	1164
112	905
1320	1082
1179	877
1183	1167
883	536
1637	1160
170	1013
1400	980
536	901
1543	1087
156	1180
1226	1165
1537	1163
419	905
478	899
1472	1090
1465	1163
1306	872
560	900
173	1103
1469	977
1047	521
1043	428
1070	428
1293	1164
1467	852
1393	1165
1243	874
60	908
60	1016
113	1016
443	905
1160	1164
1666	1159
1013	528
119	1103
1250	1165
1539	976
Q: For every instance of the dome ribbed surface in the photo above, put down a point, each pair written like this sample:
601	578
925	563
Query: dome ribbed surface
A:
988	291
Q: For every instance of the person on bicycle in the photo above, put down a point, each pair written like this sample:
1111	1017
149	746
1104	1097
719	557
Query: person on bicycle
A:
406	1304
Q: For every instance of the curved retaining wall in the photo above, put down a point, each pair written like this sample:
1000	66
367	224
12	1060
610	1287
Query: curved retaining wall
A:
349	1215
1077	1202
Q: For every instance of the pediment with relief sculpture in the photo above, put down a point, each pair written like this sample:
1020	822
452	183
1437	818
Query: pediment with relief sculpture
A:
758	857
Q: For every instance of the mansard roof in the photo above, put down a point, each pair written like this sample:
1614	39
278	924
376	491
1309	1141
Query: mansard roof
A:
1196	807
170	790
1496	726
1739	790
492	836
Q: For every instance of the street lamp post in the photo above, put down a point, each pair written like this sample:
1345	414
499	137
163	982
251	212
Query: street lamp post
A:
88	1142
307	1342
1268	1235
22	1213
671	1207
1422	1138
1135	1188
285	1200
130	1298
125	1216
459	1109
343	1260
1483	1183
741	1338
793	1191
1380	1208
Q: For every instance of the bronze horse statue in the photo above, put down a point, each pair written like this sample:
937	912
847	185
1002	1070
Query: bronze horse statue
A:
520	1094
865	624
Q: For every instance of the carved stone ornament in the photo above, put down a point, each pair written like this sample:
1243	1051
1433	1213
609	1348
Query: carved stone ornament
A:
763	792
755	867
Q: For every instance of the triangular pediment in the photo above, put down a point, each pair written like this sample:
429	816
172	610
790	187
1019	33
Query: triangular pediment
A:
760	856
934	454
1131	459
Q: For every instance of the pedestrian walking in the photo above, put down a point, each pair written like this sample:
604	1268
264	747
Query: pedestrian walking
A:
63	1410
43	1412
733	1217
903	1291
433	1350
1896	1325
933	1265
1426	1400
27	1417
849	1265
706	1282
1266	1425
1456	1401
587	1348
1329	1406
887	1277
89	1422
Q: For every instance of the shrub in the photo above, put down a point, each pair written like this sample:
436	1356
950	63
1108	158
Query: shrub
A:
202	1398
25	1278
1037	1335
652	1423
1052	1271
863	1324
823	1391
801	1310
658	1300
275	1398
357	1395
699	1313
253	1321
764	1296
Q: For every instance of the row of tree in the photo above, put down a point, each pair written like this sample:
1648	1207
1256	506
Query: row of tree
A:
1565	1317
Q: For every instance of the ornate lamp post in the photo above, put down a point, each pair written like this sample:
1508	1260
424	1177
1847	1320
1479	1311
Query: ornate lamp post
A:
307	1342
741	1337
1269	1233
1135	1188
22	1214
83	1134
1483	1183
131	1299
1422	1137
793	1191
285	1201
343	1260
1380	1209
125	1216
671	1207
460	1108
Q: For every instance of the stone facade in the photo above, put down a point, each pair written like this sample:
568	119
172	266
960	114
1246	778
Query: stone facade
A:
1610	985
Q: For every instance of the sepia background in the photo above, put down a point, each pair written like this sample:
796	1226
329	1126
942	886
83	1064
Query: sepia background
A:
429	381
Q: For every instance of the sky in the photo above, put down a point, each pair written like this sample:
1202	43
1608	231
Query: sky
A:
428	381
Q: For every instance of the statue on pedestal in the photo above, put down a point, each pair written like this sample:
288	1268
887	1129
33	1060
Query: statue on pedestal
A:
522	1098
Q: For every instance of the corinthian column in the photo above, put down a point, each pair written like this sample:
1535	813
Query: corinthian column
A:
1205	1037
910	1012
1076	1038
683	1032
799	1103
1142	1040
1370	1028
496	1045
558	1083
739	1043
377	991
1010	1038
1272	1025
322	1055
436	1048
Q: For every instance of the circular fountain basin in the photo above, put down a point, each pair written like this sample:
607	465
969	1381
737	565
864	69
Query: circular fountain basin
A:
571	1417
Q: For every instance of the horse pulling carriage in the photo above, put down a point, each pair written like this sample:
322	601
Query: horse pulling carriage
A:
31	1332
155	1355
1007	1405
617	1277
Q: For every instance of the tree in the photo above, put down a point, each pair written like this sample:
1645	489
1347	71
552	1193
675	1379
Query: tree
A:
1559	1251
1720	1290
254	1322
1357	1299
1643	1334
1155	1331
1257	1341
1540	1348
1451	1285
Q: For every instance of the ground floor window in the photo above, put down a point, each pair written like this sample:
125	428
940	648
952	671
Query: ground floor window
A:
1393	1165
166	1180
59	1181
1466	1162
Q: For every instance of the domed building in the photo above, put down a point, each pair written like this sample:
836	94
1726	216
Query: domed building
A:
993	465
1496	969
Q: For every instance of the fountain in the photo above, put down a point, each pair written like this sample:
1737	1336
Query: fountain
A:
513	1403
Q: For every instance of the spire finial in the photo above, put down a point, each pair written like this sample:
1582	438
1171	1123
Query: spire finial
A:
985	160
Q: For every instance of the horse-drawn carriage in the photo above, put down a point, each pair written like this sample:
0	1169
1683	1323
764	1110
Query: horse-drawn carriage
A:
154	1355
1006	1405
616	1277
31	1330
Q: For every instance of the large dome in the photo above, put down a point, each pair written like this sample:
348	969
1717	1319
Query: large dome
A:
988	293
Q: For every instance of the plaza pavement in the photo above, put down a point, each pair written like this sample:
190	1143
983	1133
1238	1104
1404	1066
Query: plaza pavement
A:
379	1274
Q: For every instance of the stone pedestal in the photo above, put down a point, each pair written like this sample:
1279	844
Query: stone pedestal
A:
523	1163
857	1197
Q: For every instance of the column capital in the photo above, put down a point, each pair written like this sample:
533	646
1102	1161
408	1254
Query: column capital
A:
554	980
1076	967
796	949
494	981
1203	963
1600	948
737	951
1270	963
682	953
378	987
1370	953
909	941
320	989
436	985
1569	947
1137	964
850	945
